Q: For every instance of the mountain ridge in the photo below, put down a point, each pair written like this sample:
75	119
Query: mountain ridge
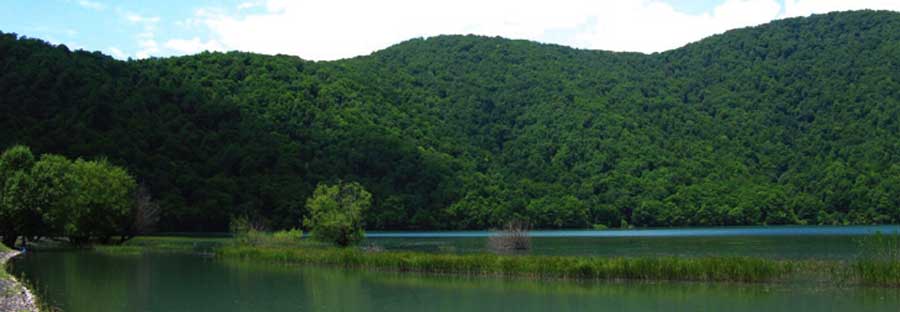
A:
791	122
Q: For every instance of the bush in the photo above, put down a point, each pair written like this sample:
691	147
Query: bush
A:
247	232
253	233
287	236
336	213
513	238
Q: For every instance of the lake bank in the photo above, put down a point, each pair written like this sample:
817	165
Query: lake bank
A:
14	296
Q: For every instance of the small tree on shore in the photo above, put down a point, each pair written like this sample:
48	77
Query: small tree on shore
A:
103	195
336	213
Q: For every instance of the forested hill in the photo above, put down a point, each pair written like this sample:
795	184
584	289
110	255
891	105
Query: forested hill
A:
793	122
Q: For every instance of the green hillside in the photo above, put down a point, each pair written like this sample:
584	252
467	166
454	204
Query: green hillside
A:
792	122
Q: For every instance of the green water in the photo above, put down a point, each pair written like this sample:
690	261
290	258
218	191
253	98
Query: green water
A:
775	247
773	242
90	281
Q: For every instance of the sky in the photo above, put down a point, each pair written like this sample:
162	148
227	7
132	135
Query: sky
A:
336	29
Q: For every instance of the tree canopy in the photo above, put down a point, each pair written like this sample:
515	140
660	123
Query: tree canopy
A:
336	213
792	122
55	197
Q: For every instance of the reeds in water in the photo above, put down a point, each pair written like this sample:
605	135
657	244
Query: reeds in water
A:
879	261
512	238
733	269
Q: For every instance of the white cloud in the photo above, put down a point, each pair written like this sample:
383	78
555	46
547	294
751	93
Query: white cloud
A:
656	26
148	48
249	5
117	53
146	39
136	18
325	30
192	46
794	8
97	6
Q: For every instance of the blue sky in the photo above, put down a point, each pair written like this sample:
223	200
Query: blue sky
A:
325	30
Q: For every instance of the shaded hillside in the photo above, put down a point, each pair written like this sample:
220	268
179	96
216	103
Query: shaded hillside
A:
790	122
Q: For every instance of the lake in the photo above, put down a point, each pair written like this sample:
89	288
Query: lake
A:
91	281
777	242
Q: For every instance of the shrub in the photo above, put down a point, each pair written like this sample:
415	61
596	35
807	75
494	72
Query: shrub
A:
287	236
513	238
336	213
247	232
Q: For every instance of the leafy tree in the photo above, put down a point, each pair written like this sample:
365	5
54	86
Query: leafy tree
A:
16	190
103	195
336	213
50	186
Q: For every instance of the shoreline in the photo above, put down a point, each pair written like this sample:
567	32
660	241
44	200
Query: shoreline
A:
14	296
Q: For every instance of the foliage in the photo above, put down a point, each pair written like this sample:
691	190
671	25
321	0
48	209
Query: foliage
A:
793	122
251	232
336	213
56	197
104	196
247	231
287	236
15	163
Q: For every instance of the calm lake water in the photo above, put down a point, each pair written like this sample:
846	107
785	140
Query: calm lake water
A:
90	281
781	242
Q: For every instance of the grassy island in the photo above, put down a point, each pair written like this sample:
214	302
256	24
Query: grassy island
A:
732	269
877	266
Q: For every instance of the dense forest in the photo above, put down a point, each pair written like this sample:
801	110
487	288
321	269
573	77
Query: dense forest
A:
792	122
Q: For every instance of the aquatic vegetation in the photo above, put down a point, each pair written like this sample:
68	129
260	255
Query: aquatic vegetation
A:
512	238
169	244
879	263
287	236
733	269
120	250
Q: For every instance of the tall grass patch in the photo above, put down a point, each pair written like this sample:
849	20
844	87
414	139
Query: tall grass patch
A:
733	269
879	261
